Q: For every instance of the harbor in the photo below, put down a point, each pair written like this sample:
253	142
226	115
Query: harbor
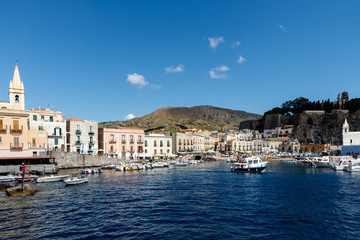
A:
180	202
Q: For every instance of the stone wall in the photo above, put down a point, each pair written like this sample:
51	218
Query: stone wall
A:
74	160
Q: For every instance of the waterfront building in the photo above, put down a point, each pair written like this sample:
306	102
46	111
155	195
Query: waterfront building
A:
14	134
125	143
81	136
158	146
314	147
52	123
188	141
351	140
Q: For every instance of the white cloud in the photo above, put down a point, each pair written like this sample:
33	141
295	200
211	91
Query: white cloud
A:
215	41
129	116
281	27
219	72
156	86
241	60
235	44
172	69
137	79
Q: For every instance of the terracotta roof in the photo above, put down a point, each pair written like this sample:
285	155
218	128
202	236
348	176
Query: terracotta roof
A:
74	119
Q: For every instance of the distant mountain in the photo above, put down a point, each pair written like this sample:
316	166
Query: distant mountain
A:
177	118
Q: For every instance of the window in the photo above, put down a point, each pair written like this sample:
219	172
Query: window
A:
154	143
139	139
123	138
0	140
41	128
161	151
168	151
1	124
132	149
51	118
112	138
146	143
35	117
77	127
168	143
16	142
111	149
131	138
42	117
91	139
17	99
161	143
78	139
123	148
16	124
145	150
56	141
155	151
91	128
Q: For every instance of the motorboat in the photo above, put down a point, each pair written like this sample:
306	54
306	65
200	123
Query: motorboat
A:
52	178
323	161
289	161
352	168
8	178
249	164
180	164
75	181
345	162
158	165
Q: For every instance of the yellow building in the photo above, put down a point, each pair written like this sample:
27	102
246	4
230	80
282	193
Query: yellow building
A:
14	133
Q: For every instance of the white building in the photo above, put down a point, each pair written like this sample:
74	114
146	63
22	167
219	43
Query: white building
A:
350	138
81	136
54	125
158	146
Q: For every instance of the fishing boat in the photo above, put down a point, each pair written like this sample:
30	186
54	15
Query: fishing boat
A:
75	181
52	178
249	164
323	161
8	178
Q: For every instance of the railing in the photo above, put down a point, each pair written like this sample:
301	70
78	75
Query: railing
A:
16	131
132	142
55	135
112	141
78	142
16	147
123	142
77	131
91	143
139	142
91	133
3	130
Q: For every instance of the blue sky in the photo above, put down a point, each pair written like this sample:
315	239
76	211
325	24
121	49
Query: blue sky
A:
103	60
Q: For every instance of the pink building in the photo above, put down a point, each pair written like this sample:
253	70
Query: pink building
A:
124	143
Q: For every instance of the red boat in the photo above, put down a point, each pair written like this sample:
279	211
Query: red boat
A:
27	178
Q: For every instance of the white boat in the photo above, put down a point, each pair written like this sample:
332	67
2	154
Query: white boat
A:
158	165
52	178
8	178
321	161
249	164
75	181
345	162
180	164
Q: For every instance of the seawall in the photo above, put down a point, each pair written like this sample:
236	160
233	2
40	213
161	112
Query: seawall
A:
65	160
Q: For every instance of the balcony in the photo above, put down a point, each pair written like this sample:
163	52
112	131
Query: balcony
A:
91	143
77	131
112	141
132	142
16	146
139	142
77	142
91	133
123	142
3	130
55	136
16	131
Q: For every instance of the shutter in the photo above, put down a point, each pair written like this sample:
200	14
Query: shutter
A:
60	131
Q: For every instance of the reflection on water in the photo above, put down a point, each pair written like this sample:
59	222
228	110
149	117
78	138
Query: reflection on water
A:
195	202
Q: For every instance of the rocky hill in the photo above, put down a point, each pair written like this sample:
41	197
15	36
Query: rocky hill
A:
177	118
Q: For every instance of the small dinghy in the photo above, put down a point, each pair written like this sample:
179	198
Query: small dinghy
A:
52	178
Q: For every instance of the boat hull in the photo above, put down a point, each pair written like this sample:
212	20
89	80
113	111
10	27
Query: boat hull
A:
245	170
